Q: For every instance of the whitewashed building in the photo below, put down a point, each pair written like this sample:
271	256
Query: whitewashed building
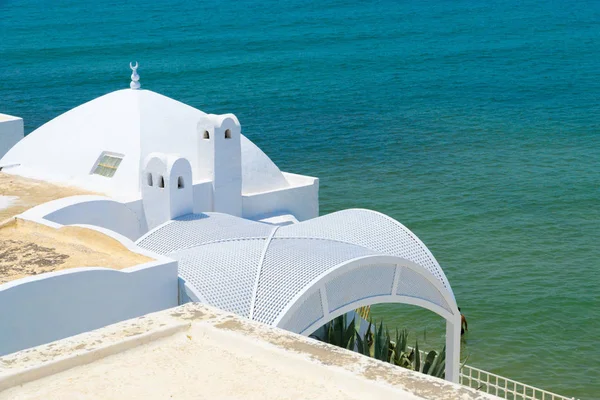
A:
216	218
161	159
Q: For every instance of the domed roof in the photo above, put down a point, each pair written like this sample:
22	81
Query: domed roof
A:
125	125
259	173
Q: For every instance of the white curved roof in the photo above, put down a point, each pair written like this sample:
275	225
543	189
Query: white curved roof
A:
259	173
299	275
132	124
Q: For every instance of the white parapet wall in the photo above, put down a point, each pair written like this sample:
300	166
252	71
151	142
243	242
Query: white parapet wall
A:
194	351
92	210
42	308
11	131
301	199
48	307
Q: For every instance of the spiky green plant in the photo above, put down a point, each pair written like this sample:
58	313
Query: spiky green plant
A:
400	354
363	345
377	343
340	333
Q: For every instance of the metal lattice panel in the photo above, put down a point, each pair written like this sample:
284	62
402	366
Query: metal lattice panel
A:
372	230
358	284
307	313
290	265
220	256
196	229
413	284
223	273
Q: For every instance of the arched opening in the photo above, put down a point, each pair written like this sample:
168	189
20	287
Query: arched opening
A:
149	179
227	134
161	181
360	282
206	135
180	183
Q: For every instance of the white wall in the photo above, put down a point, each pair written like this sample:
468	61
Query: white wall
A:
137	206
90	210
203	200
11	131
300	201
180	187
48	307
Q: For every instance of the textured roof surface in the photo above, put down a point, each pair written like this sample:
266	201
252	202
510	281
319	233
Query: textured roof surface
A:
28	248
279	275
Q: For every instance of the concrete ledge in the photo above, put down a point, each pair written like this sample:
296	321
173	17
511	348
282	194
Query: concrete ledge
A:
194	350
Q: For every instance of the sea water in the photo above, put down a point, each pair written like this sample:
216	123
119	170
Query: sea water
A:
476	124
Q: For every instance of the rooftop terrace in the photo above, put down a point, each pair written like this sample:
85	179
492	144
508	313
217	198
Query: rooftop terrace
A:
26	193
28	248
194	351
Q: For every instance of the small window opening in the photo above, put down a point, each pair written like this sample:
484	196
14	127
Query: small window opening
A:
227	134
180	184
149	178
161	181
206	135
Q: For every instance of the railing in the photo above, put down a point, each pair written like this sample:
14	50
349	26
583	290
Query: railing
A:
500	386
503	387
487	382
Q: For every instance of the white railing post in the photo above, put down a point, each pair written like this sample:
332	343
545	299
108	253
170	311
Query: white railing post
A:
453	349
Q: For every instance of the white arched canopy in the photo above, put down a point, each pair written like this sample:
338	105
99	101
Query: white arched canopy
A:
299	277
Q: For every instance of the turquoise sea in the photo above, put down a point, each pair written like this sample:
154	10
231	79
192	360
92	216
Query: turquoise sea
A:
476	124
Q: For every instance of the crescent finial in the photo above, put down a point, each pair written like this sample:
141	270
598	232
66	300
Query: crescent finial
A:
135	84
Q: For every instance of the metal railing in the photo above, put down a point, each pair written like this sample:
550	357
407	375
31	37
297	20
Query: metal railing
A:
500	386
504	387
488	382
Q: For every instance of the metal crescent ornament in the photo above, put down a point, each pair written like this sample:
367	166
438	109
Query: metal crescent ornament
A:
135	84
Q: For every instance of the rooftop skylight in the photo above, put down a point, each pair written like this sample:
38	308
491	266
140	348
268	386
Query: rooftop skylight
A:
107	165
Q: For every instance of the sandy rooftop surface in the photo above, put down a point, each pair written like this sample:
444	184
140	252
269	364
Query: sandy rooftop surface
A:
196	352
203	362
28	248
29	193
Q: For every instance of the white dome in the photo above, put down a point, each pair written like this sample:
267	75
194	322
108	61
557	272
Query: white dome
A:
128	124
259	173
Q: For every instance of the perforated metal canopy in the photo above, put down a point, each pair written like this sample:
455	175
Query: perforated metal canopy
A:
301	275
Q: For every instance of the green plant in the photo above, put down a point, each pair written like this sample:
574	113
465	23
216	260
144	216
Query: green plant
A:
363	345
381	343
377	343
435	363
340	333
400	354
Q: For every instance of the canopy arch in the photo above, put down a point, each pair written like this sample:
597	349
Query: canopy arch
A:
298	277
386	285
